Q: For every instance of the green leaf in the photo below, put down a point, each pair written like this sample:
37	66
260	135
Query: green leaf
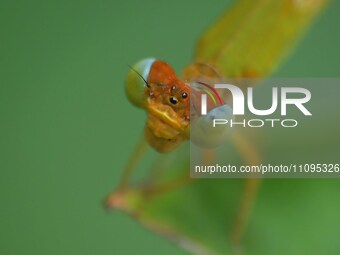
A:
253	37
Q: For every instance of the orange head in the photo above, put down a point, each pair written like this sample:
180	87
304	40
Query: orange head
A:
153	85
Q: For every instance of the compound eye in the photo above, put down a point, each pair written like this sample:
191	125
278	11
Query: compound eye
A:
135	83
173	100
184	95
205	135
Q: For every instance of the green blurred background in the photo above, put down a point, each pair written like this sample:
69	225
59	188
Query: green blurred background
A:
62	105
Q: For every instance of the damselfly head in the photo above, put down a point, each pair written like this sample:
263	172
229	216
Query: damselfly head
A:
153	85
151	78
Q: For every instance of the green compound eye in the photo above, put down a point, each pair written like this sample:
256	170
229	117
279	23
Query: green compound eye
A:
204	134
136	81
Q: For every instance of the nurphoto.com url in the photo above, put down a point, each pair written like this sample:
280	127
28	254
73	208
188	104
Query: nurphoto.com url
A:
262	169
